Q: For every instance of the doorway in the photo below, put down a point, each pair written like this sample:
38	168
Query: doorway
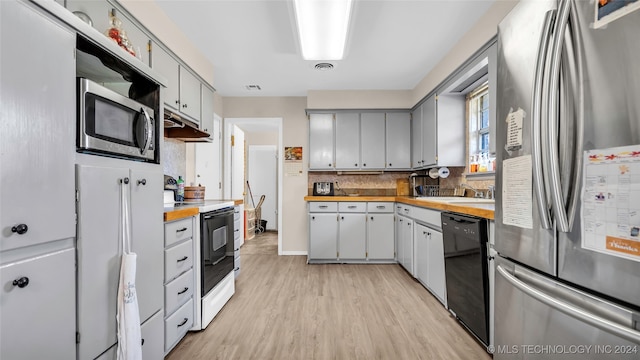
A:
262	168
256	133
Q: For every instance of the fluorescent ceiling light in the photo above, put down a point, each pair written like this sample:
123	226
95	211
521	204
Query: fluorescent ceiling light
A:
322	27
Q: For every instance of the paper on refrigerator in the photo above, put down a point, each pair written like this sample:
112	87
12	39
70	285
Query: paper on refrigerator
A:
611	201
517	198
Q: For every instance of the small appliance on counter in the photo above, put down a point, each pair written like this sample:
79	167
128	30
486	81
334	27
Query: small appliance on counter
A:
170	183
324	188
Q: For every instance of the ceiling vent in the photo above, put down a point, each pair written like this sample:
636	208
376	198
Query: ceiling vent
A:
324	66
253	87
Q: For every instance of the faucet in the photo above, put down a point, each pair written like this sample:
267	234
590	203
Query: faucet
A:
476	193
491	192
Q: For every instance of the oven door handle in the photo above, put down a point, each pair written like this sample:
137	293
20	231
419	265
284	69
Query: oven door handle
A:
148	131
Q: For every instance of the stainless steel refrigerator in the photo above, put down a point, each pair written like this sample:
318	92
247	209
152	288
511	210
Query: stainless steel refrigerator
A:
568	134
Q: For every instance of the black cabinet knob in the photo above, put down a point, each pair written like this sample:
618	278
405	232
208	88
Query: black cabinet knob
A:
184	106
177	101
142	182
390	164
22	282
20	229
356	164
125	180
364	164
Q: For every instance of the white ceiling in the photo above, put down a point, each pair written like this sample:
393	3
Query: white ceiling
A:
392	44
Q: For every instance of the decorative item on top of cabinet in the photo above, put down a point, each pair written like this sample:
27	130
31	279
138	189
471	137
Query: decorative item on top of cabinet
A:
101	14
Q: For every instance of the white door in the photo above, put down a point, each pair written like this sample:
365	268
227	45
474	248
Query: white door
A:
263	179
237	164
208	164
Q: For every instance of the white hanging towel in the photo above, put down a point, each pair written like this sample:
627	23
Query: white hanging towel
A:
128	316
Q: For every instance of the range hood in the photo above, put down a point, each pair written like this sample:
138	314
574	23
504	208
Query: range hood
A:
176	127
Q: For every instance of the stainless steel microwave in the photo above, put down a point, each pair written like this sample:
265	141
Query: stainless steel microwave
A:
114	125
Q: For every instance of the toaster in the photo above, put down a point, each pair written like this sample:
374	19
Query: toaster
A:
324	188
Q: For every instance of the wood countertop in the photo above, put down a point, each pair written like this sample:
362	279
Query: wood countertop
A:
480	210
175	213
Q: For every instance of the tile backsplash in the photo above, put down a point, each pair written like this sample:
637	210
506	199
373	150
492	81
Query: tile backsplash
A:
174	158
385	184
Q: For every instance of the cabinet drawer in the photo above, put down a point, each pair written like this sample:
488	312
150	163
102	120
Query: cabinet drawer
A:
177	291
352	207
323	207
177	325
380	207
404	210
428	217
178	259
236	213
178	230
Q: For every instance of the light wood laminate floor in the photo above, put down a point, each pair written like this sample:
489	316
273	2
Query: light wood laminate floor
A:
286	309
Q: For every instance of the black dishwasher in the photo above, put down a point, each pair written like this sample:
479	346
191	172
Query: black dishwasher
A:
466	273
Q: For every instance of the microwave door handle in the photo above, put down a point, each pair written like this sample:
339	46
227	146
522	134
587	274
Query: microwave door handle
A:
147	132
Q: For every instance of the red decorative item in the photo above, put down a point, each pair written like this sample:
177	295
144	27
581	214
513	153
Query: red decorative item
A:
117	33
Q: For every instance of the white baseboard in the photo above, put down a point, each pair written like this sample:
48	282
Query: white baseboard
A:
287	253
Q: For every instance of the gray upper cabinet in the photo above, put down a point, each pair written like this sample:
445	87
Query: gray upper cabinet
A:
429	132
361	141
37	131
166	65
208	113
321	142
450	131
416	138
189	94
182	93
347	141
441	141
398	145
372	149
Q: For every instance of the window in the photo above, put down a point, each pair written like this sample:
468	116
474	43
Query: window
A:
480	160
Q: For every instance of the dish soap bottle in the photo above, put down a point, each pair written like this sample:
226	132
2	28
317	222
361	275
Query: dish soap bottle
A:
180	195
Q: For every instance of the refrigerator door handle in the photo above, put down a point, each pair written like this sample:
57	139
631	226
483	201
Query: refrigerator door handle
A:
571	310
536	110
552	119
580	105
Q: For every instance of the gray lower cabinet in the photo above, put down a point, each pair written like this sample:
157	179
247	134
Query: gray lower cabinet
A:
238	237
99	249
348	232
323	231
179	280
380	231
352	236
430	260
404	237
429	251
152	333
38	307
